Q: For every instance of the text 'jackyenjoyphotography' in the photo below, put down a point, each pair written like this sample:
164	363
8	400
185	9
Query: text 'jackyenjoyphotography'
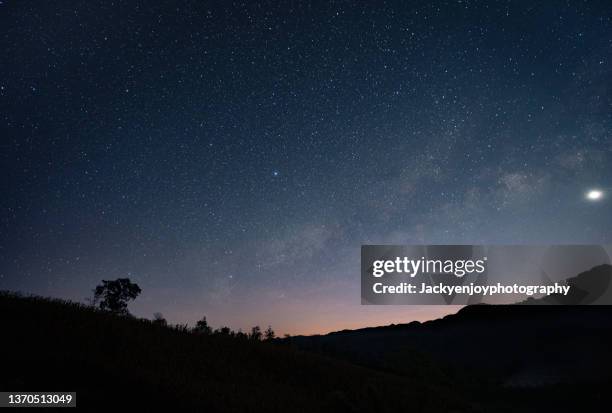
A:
471	289
496	274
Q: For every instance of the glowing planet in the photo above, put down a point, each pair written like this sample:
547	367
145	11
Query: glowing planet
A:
594	195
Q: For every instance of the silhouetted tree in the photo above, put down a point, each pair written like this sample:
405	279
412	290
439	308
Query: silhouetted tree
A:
202	327
255	333
114	295
240	335
224	331
269	334
158	319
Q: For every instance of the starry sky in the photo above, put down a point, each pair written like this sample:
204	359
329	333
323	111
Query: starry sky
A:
231	158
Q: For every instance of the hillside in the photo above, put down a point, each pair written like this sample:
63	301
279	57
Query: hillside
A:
111	361
515	355
484	358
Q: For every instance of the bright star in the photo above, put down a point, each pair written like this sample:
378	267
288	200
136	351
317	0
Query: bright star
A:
594	195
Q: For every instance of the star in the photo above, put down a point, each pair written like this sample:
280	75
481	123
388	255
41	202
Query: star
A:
594	195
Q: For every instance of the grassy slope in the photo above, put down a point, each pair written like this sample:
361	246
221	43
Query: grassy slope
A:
108	360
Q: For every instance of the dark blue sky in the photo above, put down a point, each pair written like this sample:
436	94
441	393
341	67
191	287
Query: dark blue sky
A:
232	158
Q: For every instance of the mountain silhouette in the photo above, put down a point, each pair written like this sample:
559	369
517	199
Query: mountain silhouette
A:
586	288
505	348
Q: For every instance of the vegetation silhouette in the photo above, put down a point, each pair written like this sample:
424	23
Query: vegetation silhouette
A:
255	333
158	319
202	327
269	334
113	296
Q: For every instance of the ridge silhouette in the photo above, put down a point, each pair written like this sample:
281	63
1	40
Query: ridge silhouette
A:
483	358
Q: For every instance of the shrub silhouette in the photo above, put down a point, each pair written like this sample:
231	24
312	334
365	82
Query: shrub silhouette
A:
269	334
113	296
202	327
224	331
183	328
158	319
255	333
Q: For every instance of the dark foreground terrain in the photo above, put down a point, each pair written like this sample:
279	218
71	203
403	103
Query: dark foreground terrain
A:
515	357
484	358
111	361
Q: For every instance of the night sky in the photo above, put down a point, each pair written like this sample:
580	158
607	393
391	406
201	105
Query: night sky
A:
232	158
